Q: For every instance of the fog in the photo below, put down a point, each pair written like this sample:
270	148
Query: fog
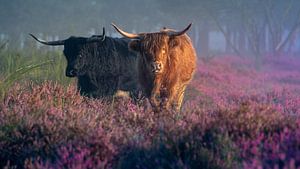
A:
239	27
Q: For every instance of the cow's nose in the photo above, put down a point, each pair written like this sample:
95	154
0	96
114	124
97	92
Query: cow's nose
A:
159	66
71	73
156	67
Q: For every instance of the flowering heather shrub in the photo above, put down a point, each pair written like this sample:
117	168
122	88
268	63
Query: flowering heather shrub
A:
38	120
276	150
233	117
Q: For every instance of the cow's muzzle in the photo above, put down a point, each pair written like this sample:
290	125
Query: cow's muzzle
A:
157	67
71	73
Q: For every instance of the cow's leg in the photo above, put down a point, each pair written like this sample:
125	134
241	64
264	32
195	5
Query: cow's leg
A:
168	98
178	101
153	99
155	94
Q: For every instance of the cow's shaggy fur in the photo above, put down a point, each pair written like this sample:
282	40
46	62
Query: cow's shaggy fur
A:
166	65
102	67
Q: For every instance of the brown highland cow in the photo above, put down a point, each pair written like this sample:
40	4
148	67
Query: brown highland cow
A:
166	64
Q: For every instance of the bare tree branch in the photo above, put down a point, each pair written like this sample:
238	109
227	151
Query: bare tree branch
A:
225	34
280	46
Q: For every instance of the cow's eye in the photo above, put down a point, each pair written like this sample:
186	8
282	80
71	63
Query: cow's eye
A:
146	54
163	50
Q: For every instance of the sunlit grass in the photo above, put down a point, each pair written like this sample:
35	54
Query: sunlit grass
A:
31	65
17	75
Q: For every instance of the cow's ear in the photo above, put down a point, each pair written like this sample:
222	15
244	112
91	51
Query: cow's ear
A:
135	45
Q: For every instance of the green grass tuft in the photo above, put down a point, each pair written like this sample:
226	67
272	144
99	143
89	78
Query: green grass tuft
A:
30	65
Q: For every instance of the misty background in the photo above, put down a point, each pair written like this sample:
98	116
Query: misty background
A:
241	27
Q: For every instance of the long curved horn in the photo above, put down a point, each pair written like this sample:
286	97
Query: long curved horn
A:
180	32
126	34
52	43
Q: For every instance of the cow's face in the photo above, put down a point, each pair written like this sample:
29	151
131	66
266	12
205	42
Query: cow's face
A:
76	58
75	50
153	48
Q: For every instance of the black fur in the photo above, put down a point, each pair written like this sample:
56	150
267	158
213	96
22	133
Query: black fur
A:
102	68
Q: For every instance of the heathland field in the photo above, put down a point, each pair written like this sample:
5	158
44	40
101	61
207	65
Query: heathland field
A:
235	115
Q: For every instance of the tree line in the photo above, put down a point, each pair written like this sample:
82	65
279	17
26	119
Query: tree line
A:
255	27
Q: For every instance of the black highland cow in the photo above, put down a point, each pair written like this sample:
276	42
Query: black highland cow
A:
103	65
